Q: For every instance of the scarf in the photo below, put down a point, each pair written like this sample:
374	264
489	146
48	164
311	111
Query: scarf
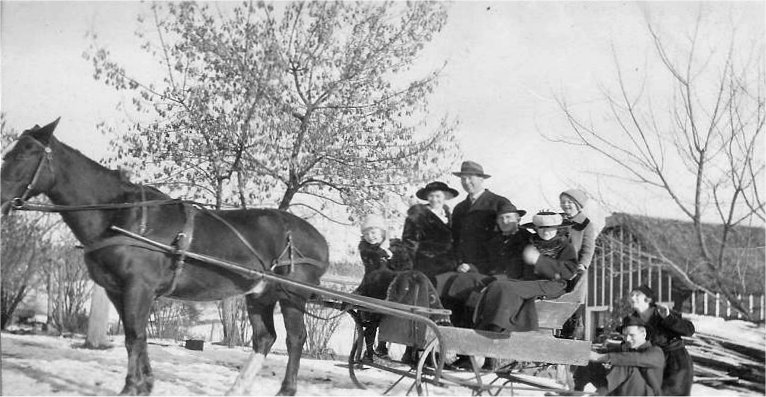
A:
550	248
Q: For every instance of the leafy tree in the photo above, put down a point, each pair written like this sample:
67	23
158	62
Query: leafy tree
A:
256	107
317	102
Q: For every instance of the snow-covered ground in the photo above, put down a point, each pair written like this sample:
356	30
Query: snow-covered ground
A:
44	365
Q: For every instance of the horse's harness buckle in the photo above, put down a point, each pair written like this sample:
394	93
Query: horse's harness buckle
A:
17	203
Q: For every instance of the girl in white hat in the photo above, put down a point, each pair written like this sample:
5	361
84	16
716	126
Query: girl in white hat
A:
382	260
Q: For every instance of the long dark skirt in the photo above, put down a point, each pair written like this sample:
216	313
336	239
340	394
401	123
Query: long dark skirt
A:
678	373
509	305
459	292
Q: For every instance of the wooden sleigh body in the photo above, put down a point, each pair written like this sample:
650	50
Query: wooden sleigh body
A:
540	346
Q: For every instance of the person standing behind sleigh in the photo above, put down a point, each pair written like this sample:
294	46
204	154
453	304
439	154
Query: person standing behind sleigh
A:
382	260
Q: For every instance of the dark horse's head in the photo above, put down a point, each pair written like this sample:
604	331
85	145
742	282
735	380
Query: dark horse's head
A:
27	170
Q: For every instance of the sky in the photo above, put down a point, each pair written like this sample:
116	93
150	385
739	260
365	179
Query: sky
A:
506	63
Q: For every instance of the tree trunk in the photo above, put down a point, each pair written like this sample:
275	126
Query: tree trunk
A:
231	336
98	320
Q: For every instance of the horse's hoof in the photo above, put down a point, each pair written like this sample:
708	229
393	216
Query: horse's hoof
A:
287	391
129	390
144	389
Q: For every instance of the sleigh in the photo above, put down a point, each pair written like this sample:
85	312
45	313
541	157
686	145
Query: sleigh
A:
540	346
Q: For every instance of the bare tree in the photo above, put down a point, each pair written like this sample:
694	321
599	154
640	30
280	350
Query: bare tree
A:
25	247
700	142
70	287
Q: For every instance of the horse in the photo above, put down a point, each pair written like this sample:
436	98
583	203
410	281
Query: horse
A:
92	199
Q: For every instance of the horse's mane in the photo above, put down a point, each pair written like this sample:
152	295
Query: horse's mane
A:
126	184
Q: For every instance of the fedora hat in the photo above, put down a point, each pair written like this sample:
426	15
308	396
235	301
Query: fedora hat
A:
547	219
436	186
471	168
508	208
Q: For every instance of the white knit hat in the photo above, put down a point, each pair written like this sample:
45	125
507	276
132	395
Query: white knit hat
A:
373	220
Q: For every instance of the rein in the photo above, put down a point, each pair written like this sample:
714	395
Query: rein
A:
20	204
183	239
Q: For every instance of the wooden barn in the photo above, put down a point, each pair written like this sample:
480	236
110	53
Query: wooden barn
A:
633	250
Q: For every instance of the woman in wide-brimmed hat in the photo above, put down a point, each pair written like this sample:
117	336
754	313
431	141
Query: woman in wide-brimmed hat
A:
427	230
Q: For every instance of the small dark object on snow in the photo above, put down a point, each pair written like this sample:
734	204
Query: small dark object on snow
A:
195	344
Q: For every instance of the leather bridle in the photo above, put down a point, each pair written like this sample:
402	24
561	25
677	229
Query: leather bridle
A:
18	202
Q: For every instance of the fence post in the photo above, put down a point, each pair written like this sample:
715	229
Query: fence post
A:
750	305
704	304
717	305
728	309
739	300
763	303
694	302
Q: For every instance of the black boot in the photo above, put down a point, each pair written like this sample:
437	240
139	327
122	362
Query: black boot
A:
490	364
382	351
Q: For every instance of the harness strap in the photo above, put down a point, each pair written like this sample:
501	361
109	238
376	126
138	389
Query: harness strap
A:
119	240
182	243
294	257
46	156
143	224
239	236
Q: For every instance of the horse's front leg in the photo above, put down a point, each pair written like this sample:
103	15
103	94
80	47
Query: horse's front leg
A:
260	310
292	311
134	305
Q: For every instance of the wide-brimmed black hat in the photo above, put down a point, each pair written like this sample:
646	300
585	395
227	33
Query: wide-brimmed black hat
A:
506	208
547	219
471	168
434	186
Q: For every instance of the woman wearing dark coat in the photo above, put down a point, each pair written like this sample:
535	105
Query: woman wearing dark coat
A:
666	327
509	305
427	231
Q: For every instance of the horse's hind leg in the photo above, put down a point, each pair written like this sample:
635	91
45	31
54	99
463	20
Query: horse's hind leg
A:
134	305
292	311
261	313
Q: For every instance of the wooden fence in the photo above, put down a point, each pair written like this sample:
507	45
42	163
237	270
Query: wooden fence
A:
719	306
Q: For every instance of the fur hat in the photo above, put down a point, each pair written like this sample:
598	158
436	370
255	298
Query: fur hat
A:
547	218
373	220
435	186
578	196
471	168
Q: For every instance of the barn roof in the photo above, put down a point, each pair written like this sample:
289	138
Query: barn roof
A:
674	239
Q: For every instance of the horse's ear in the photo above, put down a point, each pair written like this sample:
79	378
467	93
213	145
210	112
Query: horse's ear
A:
44	134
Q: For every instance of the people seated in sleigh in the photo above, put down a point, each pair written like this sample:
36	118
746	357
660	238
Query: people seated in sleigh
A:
550	270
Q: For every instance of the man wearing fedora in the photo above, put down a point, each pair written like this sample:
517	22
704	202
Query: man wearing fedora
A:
473	220
507	244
